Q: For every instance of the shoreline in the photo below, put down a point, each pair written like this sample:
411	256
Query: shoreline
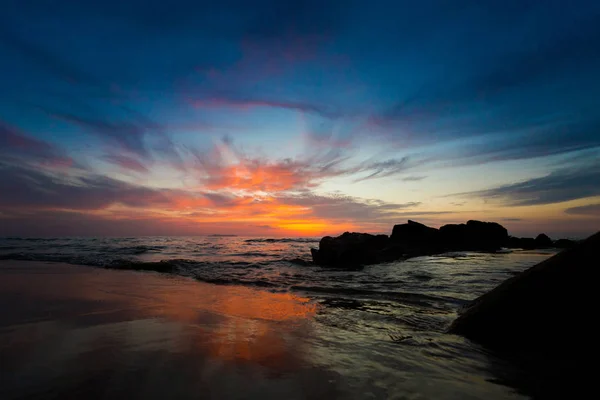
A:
42	279
69	331
64	327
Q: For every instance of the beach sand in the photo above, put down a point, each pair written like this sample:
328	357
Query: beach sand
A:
79	332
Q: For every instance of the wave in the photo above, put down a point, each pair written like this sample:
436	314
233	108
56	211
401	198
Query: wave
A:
297	261
235	281
405	297
31	239
283	240
98	261
137	250
218	235
252	254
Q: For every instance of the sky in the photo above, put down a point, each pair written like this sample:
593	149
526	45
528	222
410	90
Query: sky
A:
298	118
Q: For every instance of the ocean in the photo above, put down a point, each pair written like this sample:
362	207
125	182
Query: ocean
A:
381	327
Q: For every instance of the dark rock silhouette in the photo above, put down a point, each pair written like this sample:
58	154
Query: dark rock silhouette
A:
349	249
415	239
521	243
543	241
564	243
547	308
542	323
474	235
414	234
408	240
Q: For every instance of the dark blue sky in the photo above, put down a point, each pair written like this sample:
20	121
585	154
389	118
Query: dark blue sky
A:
298	116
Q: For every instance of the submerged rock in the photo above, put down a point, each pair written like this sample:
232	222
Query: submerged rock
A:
548	308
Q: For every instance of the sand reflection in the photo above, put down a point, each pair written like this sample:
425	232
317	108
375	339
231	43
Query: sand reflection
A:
104	333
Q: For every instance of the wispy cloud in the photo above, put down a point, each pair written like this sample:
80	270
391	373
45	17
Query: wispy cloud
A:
227	167
16	145
132	142
127	163
592	210
43	58
414	178
561	185
30	189
248	104
518	99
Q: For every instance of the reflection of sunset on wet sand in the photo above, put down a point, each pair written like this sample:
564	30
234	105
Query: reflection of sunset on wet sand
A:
70	331
109	322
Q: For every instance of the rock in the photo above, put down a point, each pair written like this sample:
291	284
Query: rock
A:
474	235
408	240
414	239
564	243
414	235
316	256
392	253
542	241
299	261
349	249
521	243
547	309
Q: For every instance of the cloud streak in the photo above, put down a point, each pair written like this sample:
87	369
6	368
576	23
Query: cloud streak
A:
227	167
559	186
17	146
592	210
249	104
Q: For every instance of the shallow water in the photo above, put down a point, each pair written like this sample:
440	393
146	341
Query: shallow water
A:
377	332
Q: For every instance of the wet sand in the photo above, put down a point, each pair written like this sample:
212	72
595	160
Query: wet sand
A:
76	332
79	332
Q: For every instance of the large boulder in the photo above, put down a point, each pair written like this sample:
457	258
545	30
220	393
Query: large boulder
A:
474	235
414	235
542	241
349	249
548	308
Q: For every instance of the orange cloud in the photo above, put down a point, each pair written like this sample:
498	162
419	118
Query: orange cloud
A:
234	191
256	177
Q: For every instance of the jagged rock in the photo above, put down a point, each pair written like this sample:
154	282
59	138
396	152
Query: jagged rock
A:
547	308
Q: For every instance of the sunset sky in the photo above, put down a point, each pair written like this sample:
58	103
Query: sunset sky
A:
298	118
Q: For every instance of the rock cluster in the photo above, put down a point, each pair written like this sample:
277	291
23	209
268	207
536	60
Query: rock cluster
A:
415	239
